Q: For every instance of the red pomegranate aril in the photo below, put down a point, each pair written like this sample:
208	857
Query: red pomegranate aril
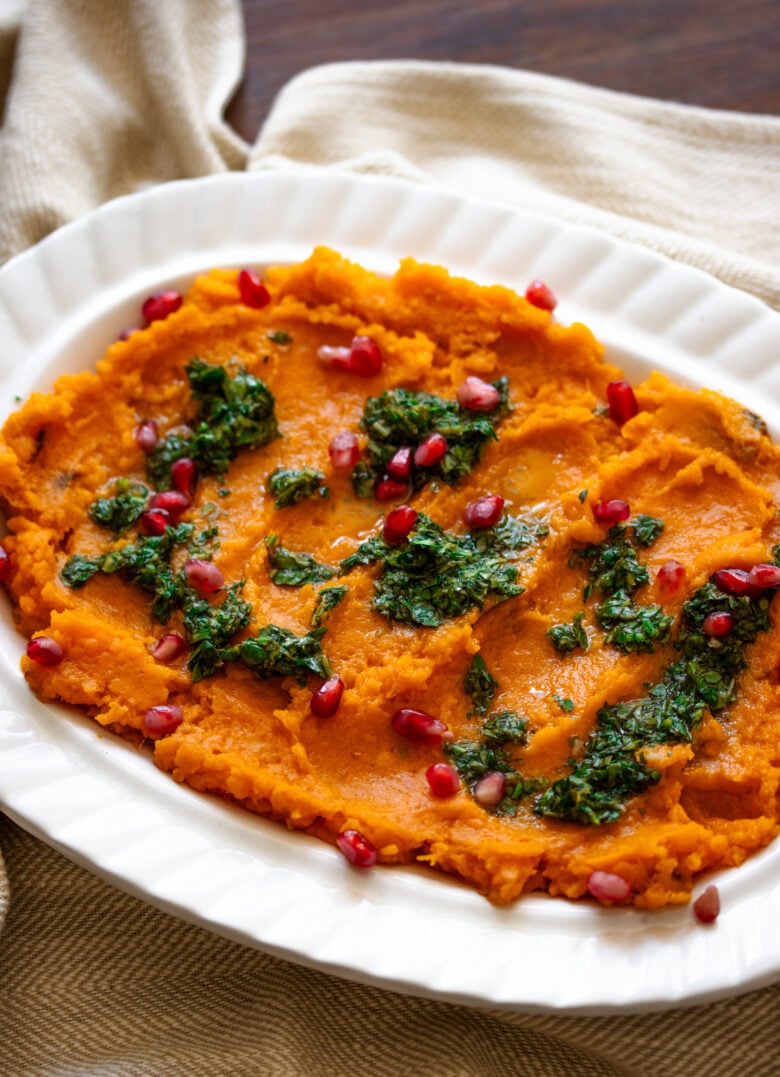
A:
717	624
147	435
5	565
344	450
175	503
764	575
490	790
606	886
478	395
45	651
160	305
252	290
443	780
670	576
390	490
484	512
184	474
398	524
356	847
541	296
706	907
169	647
204	576
430	451
161	721
365	358
420	726
732	581
337	357
611	512
622	402
327	699
400	466
154	521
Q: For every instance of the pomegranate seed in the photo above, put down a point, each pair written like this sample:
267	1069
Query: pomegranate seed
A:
169	647
160	305
147	435
389	490
161	721
326	700
5	565
611	512
717	624
443	780
154	521
344	450
173	501
45	651
540	296
763	576
365	357
358	850
484	512
478	395
430	451
338	358
398	524
184	475
670	576
252	290
732	581
417	725
706	907
490	790
606	886
622	402
400	466
204	576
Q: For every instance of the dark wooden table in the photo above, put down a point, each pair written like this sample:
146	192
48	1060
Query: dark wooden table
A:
715	53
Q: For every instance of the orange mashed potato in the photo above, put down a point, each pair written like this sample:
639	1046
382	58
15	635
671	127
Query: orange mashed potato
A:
694	460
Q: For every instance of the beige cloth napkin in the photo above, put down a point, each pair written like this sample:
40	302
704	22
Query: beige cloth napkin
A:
107	97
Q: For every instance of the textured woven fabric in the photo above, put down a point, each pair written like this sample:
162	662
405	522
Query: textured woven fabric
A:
698	185
106	97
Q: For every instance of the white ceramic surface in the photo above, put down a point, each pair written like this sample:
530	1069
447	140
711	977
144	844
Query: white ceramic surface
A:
106	806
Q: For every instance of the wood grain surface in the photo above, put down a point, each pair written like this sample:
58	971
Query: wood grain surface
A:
717	54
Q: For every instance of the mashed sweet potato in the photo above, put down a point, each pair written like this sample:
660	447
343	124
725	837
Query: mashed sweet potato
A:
675	793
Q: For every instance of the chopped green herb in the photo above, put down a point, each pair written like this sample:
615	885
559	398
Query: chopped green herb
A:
510	536
481	685
614	566
703	678
362	479
224	492
291	569
632	628
582	495
233	413
434	575
327	600
208	629
473	759
646	529
564	703
504	727
145	562
120	512
204	545
401	417
279	336
568	637
276	651
289	486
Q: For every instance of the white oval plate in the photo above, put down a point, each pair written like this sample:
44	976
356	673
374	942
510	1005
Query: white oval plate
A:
105	805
